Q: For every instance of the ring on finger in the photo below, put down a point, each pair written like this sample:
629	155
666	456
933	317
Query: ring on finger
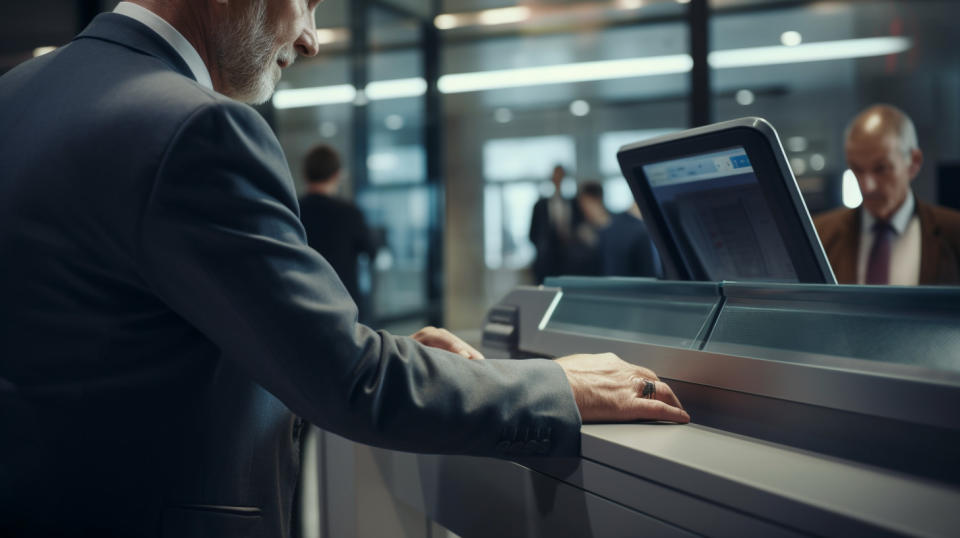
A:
649	389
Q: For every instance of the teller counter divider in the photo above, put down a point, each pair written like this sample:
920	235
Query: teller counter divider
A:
818	410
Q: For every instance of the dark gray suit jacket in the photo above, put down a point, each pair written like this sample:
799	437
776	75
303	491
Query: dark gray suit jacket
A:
160	312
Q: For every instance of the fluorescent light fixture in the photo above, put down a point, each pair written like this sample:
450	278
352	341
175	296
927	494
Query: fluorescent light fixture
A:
809	52
325	36
40	51
629	4
504	15
446	21
395	89
323	95
850	190
599	70
557	74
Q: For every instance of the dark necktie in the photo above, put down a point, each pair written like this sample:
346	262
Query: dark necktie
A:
878	264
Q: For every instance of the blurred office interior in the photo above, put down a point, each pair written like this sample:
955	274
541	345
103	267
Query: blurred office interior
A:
451	114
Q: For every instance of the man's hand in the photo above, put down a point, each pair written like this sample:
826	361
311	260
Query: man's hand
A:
609	389
444	339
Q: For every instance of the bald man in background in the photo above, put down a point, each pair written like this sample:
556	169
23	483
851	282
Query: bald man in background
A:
892	238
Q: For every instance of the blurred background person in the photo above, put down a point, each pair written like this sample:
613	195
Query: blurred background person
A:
335	227
551	230
893	238
626	248
584	250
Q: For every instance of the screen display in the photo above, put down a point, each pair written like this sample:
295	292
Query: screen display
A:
719	218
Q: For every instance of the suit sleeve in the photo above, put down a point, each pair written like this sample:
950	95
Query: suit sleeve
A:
221	243
536	224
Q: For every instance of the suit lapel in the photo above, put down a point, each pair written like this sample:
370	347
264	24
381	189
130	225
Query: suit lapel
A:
130	33
929	244
847	248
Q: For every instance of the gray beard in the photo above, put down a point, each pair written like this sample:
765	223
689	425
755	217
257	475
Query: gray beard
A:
245	57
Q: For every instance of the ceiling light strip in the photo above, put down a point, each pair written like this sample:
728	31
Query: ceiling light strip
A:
565	73
809	52
395	89
321	95
593	71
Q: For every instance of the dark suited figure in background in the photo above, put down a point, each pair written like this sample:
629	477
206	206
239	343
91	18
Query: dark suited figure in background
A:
162	313
583	252
893	238
551	230
335	228
626	248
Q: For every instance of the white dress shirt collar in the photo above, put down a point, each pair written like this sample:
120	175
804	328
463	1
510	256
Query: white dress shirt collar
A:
899	220
171	36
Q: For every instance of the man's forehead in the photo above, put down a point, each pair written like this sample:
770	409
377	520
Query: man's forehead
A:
872	146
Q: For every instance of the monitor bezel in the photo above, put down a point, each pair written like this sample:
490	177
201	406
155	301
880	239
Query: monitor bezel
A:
762	145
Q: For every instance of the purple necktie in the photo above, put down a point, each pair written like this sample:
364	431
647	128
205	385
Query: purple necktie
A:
878	264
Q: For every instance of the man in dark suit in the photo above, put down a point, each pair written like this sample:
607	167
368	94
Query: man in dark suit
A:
335	228
552	227
162	313
626	247
893	238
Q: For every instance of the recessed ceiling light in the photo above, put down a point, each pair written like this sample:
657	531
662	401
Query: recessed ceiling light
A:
791	38
579	108
394	122
818	162
503	115
799	166
797	144
328	129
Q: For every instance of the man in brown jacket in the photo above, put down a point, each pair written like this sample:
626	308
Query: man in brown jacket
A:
893	238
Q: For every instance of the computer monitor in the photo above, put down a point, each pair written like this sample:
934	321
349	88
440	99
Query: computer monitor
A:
722	204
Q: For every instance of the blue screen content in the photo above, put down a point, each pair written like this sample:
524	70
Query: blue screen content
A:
719	218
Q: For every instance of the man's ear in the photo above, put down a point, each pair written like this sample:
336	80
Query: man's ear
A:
916	163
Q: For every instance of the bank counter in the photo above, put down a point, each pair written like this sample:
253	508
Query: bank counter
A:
817	410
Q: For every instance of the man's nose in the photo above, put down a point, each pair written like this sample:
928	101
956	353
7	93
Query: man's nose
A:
307	44
867	183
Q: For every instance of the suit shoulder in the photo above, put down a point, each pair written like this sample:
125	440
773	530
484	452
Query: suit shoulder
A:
831	221
947	219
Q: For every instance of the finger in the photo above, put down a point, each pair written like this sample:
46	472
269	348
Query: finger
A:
462	347
447	341
657	410
423	333
648	373
665	394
